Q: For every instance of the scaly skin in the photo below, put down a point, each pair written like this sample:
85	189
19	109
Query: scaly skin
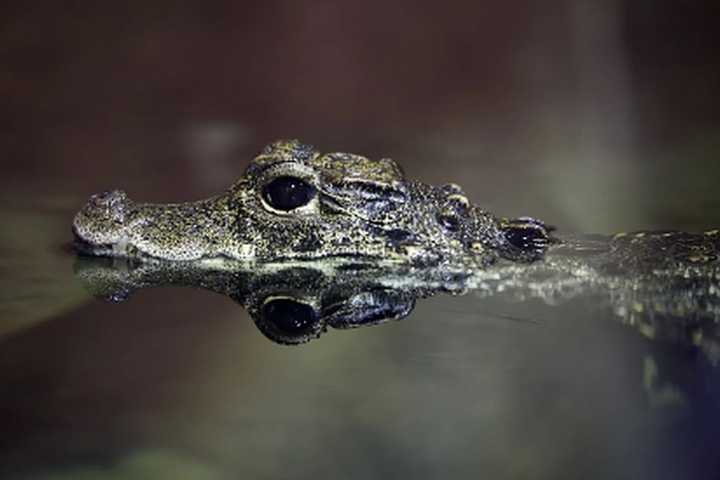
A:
362	208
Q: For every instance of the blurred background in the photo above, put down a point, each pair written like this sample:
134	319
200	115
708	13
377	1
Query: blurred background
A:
596	115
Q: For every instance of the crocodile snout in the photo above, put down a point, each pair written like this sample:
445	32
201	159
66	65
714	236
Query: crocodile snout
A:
101	221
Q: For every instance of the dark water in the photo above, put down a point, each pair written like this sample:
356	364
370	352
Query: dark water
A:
177	382
596	117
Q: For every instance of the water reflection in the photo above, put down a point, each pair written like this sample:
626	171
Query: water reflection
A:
293	304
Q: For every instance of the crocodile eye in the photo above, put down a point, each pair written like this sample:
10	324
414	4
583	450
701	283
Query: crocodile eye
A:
288	193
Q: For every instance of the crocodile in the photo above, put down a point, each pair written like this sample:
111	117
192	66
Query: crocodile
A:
295	203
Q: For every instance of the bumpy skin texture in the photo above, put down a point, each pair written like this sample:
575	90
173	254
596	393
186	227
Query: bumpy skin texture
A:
359	208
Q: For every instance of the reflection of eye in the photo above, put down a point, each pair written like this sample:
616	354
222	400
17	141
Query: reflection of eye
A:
288	193
289	317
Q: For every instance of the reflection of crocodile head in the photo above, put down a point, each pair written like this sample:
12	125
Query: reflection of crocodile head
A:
294	202
294	304
290	305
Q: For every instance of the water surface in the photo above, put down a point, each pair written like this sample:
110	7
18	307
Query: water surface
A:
178	383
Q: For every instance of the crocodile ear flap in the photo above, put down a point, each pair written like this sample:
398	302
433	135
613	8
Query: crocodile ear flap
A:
379	200
373	200
376	191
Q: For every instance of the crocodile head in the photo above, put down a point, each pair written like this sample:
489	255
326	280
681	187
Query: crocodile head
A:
296	203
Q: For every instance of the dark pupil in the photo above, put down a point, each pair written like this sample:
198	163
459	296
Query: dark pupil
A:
288	193
289	317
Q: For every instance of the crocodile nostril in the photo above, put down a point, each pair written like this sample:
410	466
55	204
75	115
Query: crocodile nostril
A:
110	206
98	197
109	197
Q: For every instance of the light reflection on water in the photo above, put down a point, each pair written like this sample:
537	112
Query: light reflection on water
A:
180	380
